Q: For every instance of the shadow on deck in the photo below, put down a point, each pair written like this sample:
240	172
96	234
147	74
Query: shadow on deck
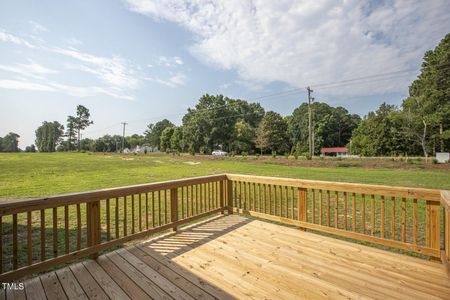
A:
236	257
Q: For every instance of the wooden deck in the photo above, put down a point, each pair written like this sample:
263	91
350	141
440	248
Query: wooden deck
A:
236	257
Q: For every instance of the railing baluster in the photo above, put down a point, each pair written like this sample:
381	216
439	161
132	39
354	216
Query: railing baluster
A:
313	206
117	217
292	202
254	197
286	197
354	212
125	216
15	242
66	229
265	198
55	232
415	222
140	211
345	211
383	218
275	200
192	199
78	227
146	211
372	213
392	218
42	234
165	205
336	209
160	211
153	209
328	208
29	239
320	206
403	219
363	213
108	220
197	199
132	214
269	195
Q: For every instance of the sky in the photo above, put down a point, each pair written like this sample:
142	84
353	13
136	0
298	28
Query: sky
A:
139	61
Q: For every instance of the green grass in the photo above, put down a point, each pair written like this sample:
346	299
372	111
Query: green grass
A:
25	175
42	174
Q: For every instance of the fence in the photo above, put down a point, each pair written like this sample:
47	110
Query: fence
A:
36	234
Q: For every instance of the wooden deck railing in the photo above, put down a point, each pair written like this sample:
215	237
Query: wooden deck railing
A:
36	234
445	202
403	218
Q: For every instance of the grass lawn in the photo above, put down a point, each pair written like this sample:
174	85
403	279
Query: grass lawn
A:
25	175
42	174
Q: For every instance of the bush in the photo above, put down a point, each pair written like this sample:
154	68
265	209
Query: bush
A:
295	155
274	154
434	161
244	153
257	155
286	155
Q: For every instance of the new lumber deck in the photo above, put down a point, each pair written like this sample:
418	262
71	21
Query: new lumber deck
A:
236	257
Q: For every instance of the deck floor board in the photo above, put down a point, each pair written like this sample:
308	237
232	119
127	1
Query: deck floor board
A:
233	256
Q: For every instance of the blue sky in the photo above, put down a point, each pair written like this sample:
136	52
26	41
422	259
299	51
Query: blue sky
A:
140	61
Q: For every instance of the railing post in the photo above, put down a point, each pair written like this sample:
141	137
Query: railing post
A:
93	225
230	196
445	202
433	225
174	206
301	205
221	196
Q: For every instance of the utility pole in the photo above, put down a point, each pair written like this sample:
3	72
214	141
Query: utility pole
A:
310	140
123	135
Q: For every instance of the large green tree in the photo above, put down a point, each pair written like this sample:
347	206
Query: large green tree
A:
274	131
428	104
10	142
154	131
48	136
331	127
79	122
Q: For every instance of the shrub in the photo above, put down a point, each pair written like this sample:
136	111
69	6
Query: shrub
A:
257	155
434	161
244	153
274	154
286	155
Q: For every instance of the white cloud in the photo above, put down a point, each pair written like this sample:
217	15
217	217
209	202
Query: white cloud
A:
176	80
114	71
24	85
10	38
170	61
305	42
32	69
73	41
118	74
37	27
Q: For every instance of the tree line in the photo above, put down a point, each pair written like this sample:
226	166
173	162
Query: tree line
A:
420	126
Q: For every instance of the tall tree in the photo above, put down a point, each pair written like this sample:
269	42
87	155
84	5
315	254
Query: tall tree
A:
166	135
70	132
48	136
428	104
275	129
176	141
154	131
243	136
81	121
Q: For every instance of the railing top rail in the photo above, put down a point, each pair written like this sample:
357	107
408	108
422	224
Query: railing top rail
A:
396	191
31	204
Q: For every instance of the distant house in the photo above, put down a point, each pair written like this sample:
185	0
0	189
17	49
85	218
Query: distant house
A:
335	151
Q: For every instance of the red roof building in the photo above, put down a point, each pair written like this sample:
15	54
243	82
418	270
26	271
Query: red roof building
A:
335	151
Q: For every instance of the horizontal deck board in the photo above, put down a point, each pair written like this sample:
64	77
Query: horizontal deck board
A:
236	257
